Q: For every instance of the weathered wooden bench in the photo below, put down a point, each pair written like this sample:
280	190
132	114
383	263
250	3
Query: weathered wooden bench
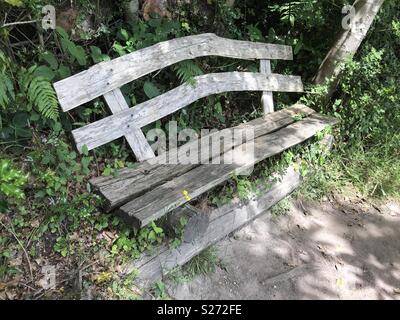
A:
152	189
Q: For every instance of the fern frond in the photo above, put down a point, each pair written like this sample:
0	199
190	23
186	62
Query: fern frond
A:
41	94
6	90
6	82
187	70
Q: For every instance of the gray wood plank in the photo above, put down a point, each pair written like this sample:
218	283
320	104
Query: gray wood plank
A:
267	99
115	126
131	183
196	223
152	267
116	101
223	221
136	139
107	76
163	199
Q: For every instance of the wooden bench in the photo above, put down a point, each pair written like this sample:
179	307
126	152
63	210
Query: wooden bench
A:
153	188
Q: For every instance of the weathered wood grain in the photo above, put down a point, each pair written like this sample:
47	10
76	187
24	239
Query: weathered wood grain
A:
196	223
131	183
223	221
168	196
267	99
136	139
154	266
107	76
116	101
113	127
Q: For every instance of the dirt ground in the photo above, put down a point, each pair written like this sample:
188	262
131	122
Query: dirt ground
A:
339	249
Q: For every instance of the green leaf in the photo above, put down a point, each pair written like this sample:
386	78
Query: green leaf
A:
183	221
156	229
34	116
95	53
74	51
15	3
119	49
187	70
64	72
20	120
50	59
3	207
23	132
85	150
298	47
124	34
45	72
292	20
6	88
41	94
154	22
62	33
152	235
79	53
11	180
151	90
97	56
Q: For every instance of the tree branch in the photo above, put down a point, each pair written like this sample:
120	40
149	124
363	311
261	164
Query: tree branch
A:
11	24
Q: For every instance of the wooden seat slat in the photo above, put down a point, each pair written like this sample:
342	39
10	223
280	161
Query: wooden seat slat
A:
168	196
131	183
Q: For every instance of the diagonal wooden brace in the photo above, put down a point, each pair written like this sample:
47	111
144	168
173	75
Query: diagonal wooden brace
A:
135	137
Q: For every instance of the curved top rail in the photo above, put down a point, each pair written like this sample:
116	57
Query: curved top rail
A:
107	76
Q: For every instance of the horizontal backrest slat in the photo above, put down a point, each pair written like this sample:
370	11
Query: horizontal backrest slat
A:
118	125
107	76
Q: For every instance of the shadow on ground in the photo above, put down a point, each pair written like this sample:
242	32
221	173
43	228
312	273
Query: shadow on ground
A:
337	249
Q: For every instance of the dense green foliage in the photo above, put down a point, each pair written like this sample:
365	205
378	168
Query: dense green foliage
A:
45	197
367	103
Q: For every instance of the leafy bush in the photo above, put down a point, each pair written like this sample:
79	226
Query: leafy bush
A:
11	183
60	209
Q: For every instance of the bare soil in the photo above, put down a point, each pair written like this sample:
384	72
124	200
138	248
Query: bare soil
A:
341	248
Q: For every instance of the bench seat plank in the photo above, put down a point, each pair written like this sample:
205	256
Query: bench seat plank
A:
168	196
133	182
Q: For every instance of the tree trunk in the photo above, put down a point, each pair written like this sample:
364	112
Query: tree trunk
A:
348	42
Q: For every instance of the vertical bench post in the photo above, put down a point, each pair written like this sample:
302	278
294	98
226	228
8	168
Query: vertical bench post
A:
267	99
136	139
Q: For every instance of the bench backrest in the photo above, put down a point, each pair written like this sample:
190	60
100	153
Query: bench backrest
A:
106	78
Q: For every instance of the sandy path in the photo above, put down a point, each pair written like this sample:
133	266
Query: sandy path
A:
338	249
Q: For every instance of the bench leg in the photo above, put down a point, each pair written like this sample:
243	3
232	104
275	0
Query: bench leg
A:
267	99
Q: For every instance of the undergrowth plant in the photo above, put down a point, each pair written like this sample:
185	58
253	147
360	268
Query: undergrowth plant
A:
32	85
11	183
367	104
203	264
56	215
281	208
